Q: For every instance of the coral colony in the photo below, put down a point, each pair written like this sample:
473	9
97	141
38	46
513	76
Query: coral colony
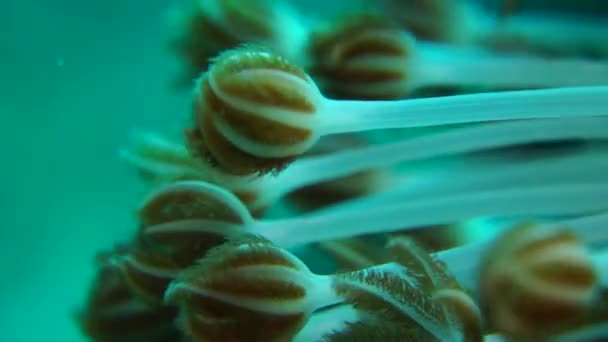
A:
384	135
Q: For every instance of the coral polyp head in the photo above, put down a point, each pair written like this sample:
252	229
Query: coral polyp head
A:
191	200
254	112
538	281
247	289
180	223
362	57
114	313
202	29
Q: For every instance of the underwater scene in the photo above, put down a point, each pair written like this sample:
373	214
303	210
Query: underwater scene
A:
293	170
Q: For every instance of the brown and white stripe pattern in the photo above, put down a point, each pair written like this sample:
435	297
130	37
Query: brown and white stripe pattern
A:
247	290
363	57
537	281
254	112
160	162
180	223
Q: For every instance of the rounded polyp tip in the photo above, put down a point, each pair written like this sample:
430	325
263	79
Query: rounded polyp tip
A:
362	57
537	281
254	112
246	289
192	200
202	29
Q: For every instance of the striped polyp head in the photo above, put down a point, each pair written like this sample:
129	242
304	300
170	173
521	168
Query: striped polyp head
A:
180	223
362	57
207	27
113	313
537	281
254	112
245	290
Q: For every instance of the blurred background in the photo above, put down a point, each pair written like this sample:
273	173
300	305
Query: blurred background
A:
75	78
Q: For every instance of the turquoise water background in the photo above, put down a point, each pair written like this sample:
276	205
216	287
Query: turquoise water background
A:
75	78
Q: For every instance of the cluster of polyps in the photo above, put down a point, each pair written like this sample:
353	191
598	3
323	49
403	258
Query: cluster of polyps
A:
205	256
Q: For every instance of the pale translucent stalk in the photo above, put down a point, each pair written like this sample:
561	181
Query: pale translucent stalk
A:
568	199
439	65
326	322
600	261
308	171
342	116
559	34
459	176
158	156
